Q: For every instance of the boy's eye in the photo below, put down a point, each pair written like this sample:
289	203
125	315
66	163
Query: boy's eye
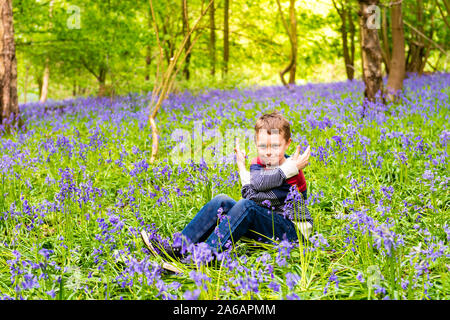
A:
276	146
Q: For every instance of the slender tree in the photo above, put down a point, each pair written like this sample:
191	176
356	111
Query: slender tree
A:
165	76
398	60
347	33
25	83
184	11
291	30
9	104
46	75
352	32
446	8
385	49
148	56
416	43
420	42
212	39
45	82
371	50
226	41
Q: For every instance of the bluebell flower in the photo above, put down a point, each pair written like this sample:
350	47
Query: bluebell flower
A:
292	279
292	296
333	278
267	203
428	175
200	253
325	289
220	215
30	282
405	284
360	277
51	293
191	295
274	286
45	253
200	279
379	289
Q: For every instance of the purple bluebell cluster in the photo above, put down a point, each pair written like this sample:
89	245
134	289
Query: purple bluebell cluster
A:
77	187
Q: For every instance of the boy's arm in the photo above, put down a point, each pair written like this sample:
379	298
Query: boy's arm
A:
245	176
249	192
263	180
266	179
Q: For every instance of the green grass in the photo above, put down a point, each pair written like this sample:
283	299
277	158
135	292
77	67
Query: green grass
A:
94	257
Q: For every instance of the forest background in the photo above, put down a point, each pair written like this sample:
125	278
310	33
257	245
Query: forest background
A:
81	48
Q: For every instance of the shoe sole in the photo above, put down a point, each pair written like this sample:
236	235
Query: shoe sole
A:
165	265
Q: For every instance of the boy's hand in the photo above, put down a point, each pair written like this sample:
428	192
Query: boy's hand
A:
303	160
240	156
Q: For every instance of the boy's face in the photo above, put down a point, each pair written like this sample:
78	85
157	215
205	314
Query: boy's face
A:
271	147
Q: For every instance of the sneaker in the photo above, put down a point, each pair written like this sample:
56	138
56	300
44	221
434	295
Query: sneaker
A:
165	265
162	248
166	248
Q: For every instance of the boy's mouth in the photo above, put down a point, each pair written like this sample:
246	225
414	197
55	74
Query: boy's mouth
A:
270	161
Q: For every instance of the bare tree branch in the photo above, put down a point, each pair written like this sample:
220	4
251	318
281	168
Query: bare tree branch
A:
442	13
425	37
165	79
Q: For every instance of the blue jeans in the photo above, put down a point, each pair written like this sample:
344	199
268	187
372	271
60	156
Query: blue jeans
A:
241	218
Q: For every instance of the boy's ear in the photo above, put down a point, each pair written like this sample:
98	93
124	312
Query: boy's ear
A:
289	142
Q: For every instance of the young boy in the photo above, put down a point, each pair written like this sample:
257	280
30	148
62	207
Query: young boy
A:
262	213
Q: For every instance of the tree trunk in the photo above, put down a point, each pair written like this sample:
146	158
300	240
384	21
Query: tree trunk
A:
398	61
348	70
165	78
148	56
371	51
100	76
9	103
428	46
352	44
46	76
39	83
74	89
345	14
148	61
212	39
25	84
426	55
361	50
45	80
441	11
416	44
169	49
102	90
226	52
291	31
386	51
188	42
294	42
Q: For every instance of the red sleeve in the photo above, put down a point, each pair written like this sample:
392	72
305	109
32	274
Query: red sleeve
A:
299	180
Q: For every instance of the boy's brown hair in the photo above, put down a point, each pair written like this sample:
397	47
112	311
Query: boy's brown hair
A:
274	120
